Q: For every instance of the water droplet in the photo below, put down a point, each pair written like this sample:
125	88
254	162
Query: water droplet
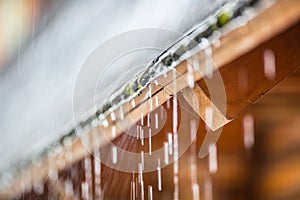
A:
142	190
212	158
208	189
196	191
85	190
150	141
114	154
132	190
142	119
148	120
142	160
166	153
176	187
121	113
140	166
208	63
142	136
269	64
113	116
248	125
156	120
190	76
170	142
105	123
133	103
150	193
159	185
168	104
113	132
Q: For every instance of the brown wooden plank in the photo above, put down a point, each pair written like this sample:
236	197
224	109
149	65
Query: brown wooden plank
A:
244	79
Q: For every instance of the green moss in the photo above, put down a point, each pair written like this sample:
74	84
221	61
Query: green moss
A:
128	89
223	18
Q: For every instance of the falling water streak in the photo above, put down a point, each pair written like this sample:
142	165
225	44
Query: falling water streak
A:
248	125
269	64
142	190
97	164
175	153
166	153
195	63
209	116
150	97
150	141
156	120
140	167
74	175
142	160
193	159
88	174
150	193
85	190
105	123
196	191
190	76
165	75
148	120
174	102
170	141
142	119
156	101
138	131
142	136
208	189
175	144
121	113
159	185
95	123
133	103
114	154
216	41
176	188
193	156
208	62
69	188
113	132
168	104
161	112
132	190
141	181
113	116
136	187
212	158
